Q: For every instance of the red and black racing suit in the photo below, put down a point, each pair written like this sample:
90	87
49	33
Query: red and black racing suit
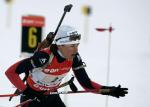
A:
45	76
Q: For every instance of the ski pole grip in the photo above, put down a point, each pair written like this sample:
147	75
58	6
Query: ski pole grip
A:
68	8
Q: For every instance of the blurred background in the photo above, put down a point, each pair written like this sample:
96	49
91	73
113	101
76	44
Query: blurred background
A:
120	56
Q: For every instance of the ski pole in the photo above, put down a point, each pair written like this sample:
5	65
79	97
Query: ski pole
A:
54	93
70	92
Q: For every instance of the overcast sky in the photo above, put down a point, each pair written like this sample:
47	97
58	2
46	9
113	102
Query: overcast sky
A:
129	51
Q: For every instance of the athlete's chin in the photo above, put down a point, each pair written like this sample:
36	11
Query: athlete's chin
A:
71	57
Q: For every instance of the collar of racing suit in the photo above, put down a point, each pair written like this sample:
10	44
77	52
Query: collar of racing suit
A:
54	50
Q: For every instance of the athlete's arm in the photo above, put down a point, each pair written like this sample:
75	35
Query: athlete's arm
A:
82	76
24	66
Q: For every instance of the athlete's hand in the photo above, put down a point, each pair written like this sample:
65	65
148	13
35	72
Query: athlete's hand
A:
114	91
32	94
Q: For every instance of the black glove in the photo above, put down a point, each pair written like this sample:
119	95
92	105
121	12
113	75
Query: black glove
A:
114	91
32	94
50	37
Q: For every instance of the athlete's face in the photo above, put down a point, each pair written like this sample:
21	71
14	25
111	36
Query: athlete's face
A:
68	51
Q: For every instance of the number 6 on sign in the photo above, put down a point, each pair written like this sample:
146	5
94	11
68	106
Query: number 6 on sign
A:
32	38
